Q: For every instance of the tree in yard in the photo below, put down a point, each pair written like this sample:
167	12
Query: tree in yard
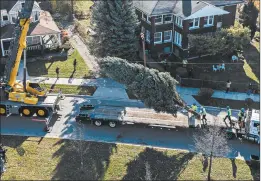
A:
236	38
203	44
223	42
156	89
211	142
248	16
79	145
115	22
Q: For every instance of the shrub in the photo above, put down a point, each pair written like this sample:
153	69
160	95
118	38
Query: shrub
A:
206	92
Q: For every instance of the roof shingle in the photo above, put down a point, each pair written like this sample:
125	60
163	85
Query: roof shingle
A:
44	26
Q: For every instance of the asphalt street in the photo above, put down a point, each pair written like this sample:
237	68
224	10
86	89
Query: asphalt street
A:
64	126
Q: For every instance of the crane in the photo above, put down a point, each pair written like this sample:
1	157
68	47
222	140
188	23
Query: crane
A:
21	92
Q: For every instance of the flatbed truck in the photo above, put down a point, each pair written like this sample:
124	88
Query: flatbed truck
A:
114	115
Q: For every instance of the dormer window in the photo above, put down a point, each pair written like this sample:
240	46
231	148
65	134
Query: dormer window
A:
5	18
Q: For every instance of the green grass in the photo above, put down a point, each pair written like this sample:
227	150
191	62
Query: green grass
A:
249	72
71	89
44	159
252	61
83	6
47	68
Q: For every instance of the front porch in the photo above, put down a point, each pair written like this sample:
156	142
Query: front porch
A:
37	43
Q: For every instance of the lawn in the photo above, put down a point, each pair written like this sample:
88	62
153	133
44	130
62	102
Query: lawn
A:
252	61
240	73
223	103
47	68
71	89
45	159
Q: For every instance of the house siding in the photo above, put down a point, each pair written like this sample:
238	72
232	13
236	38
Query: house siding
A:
182	52
229	19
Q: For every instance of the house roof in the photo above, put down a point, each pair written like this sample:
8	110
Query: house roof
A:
44	26
45	5
224	2
7	4
182	8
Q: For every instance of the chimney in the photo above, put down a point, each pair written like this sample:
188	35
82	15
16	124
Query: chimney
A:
186	7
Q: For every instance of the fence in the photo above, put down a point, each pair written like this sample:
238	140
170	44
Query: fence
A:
218	85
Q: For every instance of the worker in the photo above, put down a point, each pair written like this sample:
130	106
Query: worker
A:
229	113
74	64
203	112
194	107
57	70
241	116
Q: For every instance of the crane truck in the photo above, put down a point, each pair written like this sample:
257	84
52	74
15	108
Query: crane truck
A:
25	98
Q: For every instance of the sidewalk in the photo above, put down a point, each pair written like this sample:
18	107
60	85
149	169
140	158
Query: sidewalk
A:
185	92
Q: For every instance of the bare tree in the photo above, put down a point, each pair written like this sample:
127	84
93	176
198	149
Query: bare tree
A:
211	142
79	145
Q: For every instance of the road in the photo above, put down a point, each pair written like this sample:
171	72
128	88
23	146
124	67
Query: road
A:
64	126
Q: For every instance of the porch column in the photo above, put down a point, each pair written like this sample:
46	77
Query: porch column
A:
2	48
42	46
59	39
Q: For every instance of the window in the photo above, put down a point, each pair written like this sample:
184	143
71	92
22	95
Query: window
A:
147	35
167	18
178	38
144	16
167	36
208	20
33	40
194	23
158	19
5	18
158	37
22	5
36	16
178	21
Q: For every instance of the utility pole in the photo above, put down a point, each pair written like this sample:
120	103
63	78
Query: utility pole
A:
72	10
142	34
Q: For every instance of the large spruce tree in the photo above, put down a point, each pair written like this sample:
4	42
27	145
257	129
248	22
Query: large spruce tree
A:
156	89
114	23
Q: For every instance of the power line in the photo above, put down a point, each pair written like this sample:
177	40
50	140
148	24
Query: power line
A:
195	63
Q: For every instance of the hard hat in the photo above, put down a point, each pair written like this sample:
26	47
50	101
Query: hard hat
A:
243	109
228	107
201	107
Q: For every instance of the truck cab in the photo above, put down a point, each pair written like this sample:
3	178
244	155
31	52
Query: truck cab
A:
254	123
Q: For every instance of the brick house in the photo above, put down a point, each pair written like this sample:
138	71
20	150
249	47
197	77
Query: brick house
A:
43	32
171	21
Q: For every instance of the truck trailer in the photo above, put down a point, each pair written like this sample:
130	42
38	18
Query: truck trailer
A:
114	115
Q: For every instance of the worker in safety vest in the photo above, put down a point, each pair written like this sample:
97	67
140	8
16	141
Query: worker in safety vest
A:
203	112
241	116
194	107
229	113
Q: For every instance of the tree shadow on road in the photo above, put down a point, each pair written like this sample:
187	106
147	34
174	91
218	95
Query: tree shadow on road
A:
155	165
96	158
